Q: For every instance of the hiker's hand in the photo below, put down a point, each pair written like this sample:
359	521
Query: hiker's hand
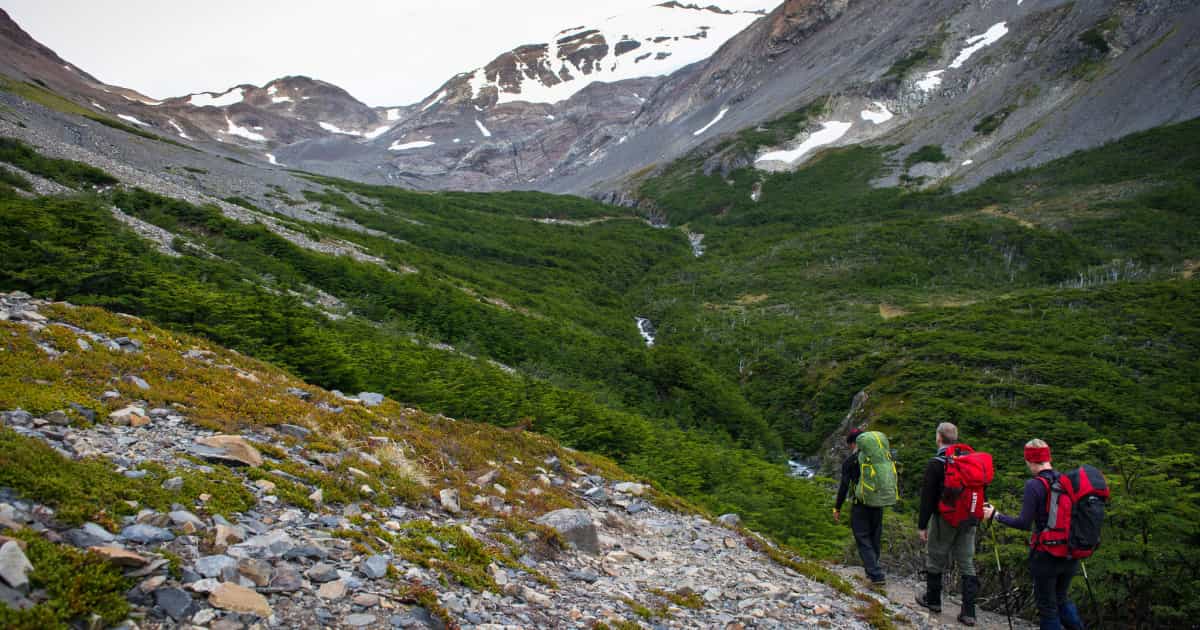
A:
989	512
837	515
924	535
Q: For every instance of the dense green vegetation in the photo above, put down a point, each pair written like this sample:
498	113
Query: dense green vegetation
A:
65	172
1054	302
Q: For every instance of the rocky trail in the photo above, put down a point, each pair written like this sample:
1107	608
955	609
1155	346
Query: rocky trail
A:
328	537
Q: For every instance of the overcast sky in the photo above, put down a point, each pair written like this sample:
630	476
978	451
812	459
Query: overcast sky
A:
384	53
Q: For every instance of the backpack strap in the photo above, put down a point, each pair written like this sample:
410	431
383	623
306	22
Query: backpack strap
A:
1049	479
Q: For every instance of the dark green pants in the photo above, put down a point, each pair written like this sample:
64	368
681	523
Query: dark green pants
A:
949	545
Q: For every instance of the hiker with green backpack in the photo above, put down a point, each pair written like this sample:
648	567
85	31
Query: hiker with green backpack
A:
952	506
871	473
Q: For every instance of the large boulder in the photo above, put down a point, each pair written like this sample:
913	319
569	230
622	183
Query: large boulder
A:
576	526
230	449
14	566
230	596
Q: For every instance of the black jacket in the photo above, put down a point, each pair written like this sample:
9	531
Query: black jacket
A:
931	488
850	474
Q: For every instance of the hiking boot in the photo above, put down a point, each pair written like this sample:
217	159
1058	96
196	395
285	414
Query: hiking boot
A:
970	589
932	597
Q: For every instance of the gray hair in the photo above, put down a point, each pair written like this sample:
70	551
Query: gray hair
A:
948	432
1036	443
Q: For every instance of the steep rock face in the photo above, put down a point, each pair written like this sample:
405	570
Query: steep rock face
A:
1049	76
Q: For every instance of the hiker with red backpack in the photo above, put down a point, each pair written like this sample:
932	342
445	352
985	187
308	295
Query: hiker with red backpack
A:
1065	512
952	502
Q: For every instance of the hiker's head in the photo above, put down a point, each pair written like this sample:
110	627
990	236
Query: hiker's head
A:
1037	456
947	434
852	438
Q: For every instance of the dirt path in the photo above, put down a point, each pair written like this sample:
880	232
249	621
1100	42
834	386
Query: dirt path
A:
902	592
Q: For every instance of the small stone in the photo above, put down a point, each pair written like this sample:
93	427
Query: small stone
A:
136	381
175	602
226	534
449	500
293	430
487	478
257	571
629	487
120	557
181	517
499	575
366	600
207	585
730	520
584	575
129	416
534	597
59	418
265	485
822	610
214	566
393	526
596	494
298	393
317	497
230	596
359	620
322	572
370	399
174	484
332	590
286	580
146	534
641	553
375	567
14	566
204	617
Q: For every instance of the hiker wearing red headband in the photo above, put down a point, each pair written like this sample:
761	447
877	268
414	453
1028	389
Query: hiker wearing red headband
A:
1051	575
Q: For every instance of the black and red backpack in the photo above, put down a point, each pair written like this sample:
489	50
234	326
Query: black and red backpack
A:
1075	503
964	487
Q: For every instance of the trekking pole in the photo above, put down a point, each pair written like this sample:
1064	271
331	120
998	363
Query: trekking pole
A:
1092	596
1000	571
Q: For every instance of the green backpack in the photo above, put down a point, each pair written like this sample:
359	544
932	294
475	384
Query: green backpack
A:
876	485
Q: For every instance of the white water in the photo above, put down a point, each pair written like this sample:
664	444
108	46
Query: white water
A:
697	242
646	329
801	471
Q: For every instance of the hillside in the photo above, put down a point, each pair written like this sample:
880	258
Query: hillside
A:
220	490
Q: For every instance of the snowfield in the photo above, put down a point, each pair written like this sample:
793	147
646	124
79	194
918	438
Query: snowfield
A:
829	133
667	38
879	115
128	118
242	132
979	42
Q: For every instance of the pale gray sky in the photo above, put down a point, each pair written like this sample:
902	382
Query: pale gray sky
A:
384	53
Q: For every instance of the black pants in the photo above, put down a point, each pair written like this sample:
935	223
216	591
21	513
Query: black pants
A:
1051	583
867	524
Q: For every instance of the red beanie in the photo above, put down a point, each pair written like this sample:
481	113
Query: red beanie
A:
1037	455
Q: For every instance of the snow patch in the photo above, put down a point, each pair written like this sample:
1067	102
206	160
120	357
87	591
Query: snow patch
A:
968	162
128	118
829	133
242	132
715	120
375	133
182	133
879	115
393	114
98	106
437	99
139	100
482	129
335	129
978	42
271	159
931	81
210	99
419	144
281	99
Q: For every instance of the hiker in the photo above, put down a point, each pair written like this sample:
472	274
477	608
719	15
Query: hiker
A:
1051	575
866	510
951	509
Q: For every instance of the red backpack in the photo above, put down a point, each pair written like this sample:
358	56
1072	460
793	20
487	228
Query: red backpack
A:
1075	507
963	490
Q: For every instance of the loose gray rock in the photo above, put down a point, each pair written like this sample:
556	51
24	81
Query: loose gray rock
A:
449	500
359	620
14	566
375	567
286	580
296	431
137	382
322	572
59	418
174	484
179	517
146	534
175	602
371	399
576	526
731	520
213	566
